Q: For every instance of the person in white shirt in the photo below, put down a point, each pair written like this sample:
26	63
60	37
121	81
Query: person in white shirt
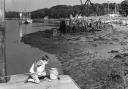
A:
37	70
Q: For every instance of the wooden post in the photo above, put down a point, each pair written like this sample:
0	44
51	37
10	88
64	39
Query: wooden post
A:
3	69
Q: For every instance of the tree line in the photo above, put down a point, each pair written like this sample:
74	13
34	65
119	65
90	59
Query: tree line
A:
64	11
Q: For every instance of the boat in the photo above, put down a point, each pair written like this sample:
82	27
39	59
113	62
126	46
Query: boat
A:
25	18
26	21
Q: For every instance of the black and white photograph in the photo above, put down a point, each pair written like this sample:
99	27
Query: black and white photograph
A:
63	44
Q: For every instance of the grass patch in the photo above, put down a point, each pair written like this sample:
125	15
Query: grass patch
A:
84	67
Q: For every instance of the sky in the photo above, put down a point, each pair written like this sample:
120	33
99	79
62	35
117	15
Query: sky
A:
30	5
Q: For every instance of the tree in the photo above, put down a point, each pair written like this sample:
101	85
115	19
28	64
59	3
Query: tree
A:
124	8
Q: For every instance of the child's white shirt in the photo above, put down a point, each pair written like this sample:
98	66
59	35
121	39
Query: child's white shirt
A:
40	70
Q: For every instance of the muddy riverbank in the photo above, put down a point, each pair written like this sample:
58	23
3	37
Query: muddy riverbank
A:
94	60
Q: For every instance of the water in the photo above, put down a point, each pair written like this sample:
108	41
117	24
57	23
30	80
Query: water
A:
20	56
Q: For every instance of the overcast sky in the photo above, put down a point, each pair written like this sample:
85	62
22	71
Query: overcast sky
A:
30	5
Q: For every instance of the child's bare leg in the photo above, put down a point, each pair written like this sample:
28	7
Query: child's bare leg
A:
35	77
28	79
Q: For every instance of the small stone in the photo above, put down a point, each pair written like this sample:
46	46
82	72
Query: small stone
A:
82	39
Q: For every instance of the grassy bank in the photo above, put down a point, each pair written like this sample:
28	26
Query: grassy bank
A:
95	60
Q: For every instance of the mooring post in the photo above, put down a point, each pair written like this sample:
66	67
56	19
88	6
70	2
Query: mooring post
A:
3	69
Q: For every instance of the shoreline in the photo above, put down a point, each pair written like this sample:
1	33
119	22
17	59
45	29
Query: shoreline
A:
89	61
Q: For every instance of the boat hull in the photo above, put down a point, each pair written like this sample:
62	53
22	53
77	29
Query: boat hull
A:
27	21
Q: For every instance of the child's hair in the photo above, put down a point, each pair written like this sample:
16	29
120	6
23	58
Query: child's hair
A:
45	58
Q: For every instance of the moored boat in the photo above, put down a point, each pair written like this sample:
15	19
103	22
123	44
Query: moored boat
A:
27	21
25	18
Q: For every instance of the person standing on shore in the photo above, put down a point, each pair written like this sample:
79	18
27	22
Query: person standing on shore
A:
37	70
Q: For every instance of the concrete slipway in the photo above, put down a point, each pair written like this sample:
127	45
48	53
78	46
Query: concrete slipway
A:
17	82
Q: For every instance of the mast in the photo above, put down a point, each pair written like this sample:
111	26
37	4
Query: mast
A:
108	7
81	2
116	9
87	3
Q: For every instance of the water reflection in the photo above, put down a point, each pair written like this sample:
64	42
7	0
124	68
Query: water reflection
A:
24	29
20	56
20	31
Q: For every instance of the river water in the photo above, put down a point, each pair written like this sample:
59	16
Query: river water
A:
20	56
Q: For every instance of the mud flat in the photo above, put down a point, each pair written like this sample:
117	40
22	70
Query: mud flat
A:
94	60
